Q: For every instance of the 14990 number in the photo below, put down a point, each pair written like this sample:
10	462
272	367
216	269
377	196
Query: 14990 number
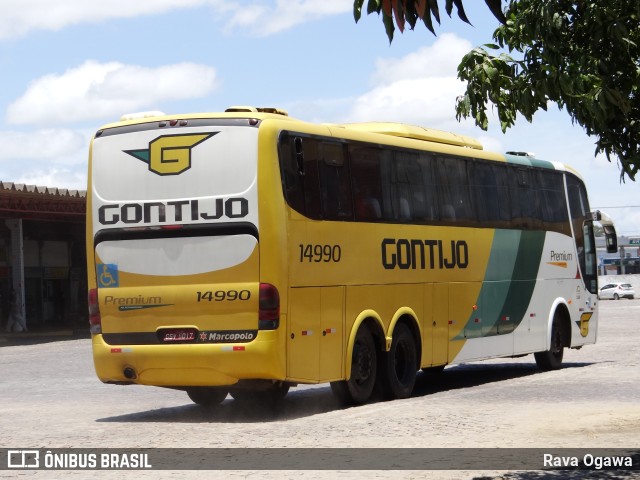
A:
224	295
320	253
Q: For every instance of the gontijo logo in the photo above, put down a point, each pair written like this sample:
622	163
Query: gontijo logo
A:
170	154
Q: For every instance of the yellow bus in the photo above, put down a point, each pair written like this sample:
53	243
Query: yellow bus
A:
246	252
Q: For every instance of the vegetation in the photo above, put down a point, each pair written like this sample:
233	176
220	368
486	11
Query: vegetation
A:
583	55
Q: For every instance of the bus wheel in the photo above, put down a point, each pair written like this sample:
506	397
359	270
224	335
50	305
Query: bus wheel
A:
552	358
359	387
399	365
207	396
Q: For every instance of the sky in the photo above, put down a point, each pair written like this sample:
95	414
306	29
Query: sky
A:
69	67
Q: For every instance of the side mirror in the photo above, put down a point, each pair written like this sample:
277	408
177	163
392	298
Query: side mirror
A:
610	238
610	235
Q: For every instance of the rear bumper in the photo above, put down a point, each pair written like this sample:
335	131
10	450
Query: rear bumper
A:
188	365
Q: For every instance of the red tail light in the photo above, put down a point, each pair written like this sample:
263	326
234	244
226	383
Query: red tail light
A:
269	314
95	322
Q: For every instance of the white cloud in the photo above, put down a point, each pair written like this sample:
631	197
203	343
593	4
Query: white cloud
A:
106	91
265	18
489	143
49	157
419	88
60	145
260	17
429	102
73	179
20	18
438	60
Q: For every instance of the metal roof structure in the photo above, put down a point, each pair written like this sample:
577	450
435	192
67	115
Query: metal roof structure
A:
31	202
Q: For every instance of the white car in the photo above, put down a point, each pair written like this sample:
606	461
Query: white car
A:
616	291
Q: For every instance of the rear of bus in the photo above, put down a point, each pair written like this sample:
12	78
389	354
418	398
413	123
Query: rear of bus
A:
173	254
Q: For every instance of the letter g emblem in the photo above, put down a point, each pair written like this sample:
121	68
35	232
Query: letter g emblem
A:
170	154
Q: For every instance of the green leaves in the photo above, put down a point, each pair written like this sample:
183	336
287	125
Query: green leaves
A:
582	55
486	76
401	12
372	6
496	8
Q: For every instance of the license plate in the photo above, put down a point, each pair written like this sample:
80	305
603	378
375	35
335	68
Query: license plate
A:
178	335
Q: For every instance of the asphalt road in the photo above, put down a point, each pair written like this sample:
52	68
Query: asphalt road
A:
50	398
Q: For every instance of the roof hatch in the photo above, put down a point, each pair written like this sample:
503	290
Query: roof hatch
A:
273	110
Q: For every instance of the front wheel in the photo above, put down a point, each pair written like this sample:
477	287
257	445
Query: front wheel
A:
552	358
359	387
207	396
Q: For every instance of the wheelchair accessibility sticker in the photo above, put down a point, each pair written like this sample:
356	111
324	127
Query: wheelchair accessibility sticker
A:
107	275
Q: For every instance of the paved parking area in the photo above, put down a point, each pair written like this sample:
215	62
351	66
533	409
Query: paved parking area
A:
50	398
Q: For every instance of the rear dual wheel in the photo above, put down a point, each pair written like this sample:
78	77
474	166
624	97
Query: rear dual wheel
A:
392	373
399	365
359	387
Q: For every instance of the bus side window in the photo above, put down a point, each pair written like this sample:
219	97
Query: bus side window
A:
311	179
335	182
414	196
553	207
426	208
490	193
299	172
365	176
292	181
522	203
390	207
502	214
454	190
484	191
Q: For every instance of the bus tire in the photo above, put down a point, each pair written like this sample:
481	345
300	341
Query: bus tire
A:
358	389
399	365
207	396
552	359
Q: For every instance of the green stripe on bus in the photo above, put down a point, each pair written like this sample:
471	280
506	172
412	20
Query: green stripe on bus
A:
523	282
515	256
